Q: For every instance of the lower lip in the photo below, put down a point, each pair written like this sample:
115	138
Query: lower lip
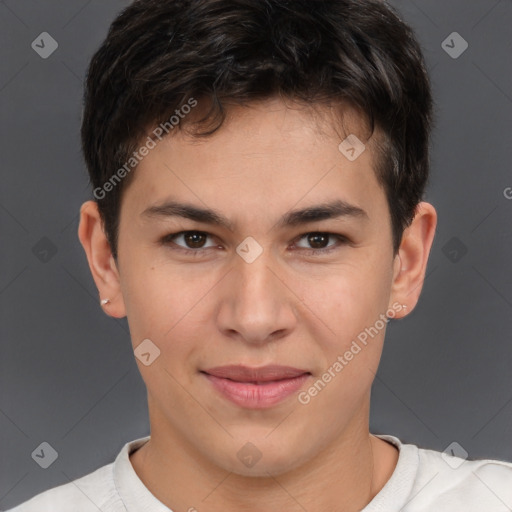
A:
257	396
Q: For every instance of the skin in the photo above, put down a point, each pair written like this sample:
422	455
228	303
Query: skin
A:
287	307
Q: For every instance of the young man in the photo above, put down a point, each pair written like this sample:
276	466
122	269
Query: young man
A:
258	168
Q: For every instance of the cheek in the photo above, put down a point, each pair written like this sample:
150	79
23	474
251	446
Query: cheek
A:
347	329
167	306
342	302
164	307
158	294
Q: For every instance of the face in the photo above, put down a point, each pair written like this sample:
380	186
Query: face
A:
261	282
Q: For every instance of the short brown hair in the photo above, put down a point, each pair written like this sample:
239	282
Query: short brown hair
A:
160	53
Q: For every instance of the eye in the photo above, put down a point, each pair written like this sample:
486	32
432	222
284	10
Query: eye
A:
318	241
193	241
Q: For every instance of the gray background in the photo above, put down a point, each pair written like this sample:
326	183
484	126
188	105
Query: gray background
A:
68	375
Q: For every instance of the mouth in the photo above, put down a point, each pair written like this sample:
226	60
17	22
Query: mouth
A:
256	388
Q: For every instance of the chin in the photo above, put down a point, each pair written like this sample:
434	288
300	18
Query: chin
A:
261	458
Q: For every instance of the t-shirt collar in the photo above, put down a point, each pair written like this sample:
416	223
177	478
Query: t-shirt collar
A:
137	497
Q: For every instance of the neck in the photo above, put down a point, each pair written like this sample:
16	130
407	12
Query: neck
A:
345	475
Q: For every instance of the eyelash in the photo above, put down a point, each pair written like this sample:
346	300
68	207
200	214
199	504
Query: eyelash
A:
200	251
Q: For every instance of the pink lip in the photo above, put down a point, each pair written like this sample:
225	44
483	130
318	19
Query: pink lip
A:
256	388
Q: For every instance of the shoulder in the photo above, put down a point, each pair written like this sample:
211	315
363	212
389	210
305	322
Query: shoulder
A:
90	493
425	480
446	481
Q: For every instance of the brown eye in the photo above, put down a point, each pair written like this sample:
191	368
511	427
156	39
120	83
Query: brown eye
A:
318	240
194	239
188	240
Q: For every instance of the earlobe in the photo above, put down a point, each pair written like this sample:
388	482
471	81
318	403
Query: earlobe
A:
412	258
99	257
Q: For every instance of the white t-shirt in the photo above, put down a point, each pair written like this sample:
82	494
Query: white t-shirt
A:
423	480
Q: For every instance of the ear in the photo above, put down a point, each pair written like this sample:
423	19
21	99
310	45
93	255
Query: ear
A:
101	262
411	261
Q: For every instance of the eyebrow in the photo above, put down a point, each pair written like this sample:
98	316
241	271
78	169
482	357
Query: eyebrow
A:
324	211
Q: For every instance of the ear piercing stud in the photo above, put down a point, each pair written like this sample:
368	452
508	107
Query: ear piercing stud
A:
105	301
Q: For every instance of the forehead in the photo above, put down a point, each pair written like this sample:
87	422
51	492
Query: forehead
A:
265	157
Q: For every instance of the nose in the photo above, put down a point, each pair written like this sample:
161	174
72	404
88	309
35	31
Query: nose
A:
258	305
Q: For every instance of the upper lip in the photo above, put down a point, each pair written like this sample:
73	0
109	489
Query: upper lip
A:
263	374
